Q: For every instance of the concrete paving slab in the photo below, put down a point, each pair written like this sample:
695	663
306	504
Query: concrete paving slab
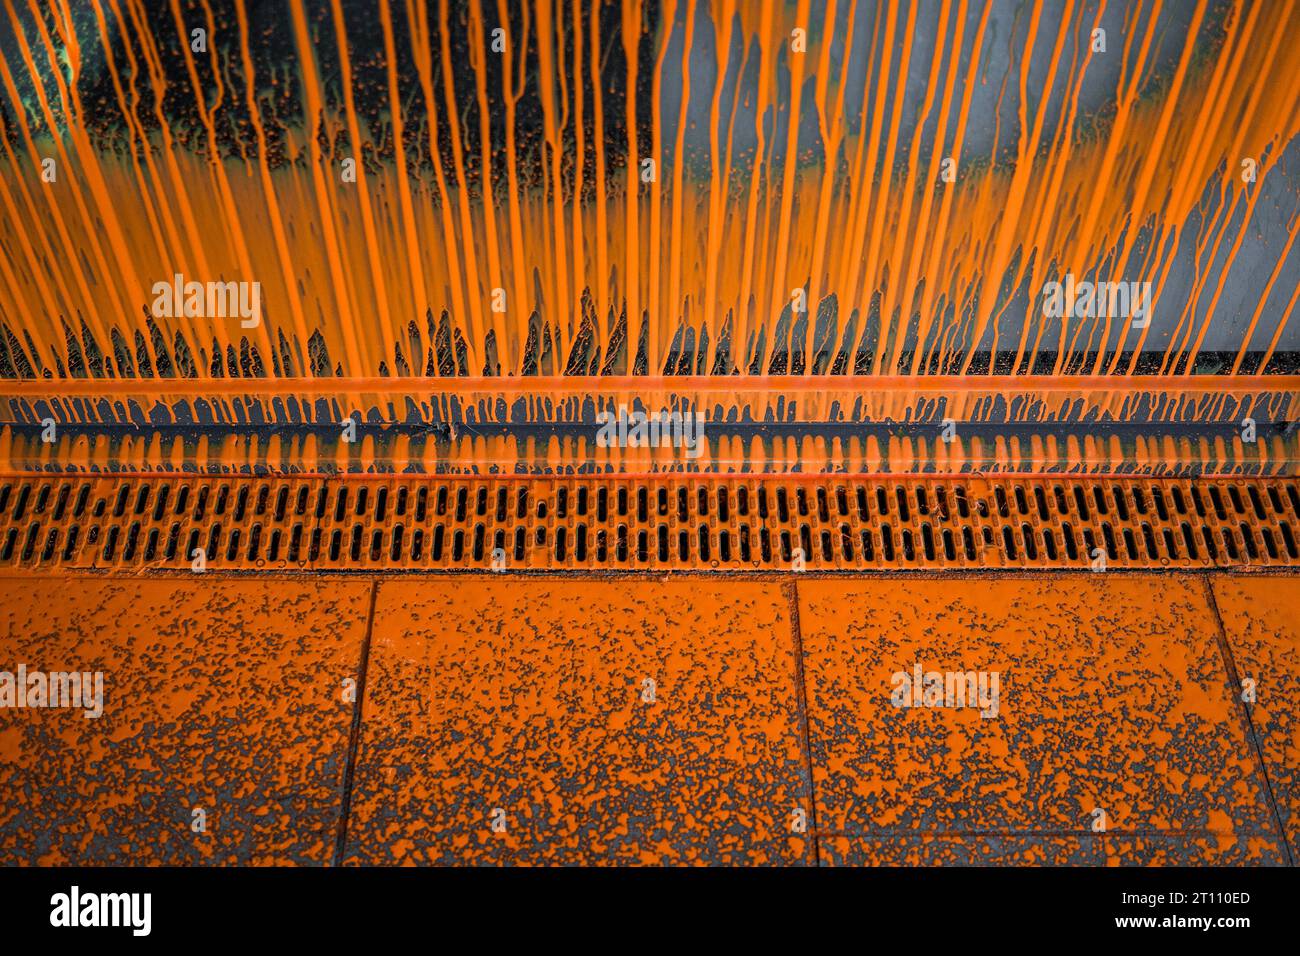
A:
581	721
1113	715
1261	620
224	730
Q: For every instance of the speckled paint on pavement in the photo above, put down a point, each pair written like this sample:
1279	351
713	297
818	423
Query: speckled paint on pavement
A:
1113	697
1261	619
220	694
530	697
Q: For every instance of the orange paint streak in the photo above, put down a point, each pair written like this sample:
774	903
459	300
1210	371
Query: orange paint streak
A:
713	249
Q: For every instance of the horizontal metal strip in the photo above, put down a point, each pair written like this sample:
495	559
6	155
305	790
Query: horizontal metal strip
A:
733	523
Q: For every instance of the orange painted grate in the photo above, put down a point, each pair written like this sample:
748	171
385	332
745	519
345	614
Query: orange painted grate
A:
818	523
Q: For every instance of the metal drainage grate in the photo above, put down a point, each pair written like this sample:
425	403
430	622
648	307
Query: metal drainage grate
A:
738	523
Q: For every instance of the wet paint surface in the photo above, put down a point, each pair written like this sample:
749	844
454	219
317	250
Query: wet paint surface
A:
1261	620
220	694
463	246
527	703
1112	696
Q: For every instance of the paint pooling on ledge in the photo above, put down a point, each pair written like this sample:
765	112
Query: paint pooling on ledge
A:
1158	426
775	451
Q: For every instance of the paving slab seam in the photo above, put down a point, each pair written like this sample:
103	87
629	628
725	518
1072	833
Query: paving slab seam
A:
792	595
1230	663
354	735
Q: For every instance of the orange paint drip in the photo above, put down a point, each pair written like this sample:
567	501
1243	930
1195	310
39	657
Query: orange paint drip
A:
548	209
